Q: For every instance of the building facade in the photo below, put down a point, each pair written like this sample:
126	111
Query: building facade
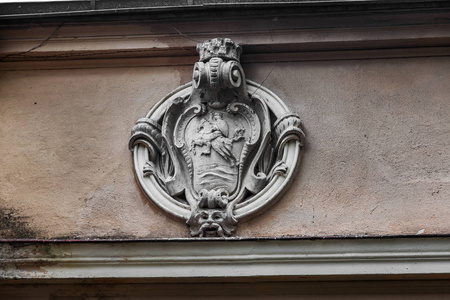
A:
365	215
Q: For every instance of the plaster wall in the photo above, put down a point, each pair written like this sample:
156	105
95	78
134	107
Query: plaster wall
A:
376	162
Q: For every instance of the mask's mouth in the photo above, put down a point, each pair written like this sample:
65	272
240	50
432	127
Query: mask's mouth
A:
211	229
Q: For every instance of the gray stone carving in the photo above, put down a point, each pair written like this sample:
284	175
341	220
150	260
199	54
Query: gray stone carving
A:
218	149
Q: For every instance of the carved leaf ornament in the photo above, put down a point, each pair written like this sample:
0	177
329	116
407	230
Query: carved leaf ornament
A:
218	149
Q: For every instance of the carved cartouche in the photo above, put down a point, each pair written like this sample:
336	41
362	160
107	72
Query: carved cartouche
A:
217	146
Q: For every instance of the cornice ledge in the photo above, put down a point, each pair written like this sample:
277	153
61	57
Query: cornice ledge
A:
94	10
72	47
417	257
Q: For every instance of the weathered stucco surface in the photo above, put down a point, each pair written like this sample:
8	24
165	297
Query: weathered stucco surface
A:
377	158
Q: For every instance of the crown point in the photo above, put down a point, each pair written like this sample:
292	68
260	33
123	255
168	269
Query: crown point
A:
219	47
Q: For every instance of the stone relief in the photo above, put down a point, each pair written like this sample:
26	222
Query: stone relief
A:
218	149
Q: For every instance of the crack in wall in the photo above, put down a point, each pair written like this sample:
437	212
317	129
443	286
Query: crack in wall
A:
36	47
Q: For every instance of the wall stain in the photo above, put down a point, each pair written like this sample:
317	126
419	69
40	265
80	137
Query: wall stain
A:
14	226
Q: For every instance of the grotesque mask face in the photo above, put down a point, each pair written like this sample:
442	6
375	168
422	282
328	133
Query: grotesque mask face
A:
211	223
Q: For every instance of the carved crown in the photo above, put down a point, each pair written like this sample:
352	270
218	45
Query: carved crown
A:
219	47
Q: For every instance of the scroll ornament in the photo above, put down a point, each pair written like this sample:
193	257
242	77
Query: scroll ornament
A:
218	149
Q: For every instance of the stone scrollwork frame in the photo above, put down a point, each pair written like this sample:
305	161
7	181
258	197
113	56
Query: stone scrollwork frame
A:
218	149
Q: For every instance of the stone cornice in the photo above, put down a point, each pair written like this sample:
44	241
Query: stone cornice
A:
139	44
414	258
94	10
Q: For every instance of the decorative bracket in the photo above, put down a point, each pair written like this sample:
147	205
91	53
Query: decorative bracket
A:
219	148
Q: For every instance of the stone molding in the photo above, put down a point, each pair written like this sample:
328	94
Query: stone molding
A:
413	258
91	46
204	9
